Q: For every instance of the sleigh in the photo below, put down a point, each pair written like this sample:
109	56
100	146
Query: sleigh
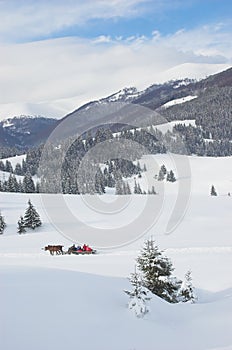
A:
72	250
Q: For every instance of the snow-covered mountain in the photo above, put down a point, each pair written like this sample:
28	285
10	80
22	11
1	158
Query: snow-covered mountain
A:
25	131
182	99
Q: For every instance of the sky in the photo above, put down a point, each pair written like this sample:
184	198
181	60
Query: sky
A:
57	55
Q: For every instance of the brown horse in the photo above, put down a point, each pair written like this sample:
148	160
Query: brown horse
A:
58	249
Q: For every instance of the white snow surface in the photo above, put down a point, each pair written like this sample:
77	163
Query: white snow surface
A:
178	101
169	125
63	302
15	160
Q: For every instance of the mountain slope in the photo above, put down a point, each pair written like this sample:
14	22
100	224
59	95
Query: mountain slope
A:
211	108
25	131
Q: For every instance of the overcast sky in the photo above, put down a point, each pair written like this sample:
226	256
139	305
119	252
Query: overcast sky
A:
56	55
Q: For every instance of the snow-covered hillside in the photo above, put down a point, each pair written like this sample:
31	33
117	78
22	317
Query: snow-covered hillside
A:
62	302
178	101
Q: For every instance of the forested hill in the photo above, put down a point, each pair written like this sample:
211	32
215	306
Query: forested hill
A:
206	102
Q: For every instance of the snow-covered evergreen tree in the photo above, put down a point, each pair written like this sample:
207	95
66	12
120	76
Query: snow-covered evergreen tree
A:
21	225
31	217
119	187
153	190
163	169
2	224
170	176
161	175
139	296
187	291
156	271
213	191
28	183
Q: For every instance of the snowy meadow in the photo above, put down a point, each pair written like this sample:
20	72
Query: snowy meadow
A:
78	301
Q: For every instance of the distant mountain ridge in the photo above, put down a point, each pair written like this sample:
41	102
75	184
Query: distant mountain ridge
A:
216	90
25	131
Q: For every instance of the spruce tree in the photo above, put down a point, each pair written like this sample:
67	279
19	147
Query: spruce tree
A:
138	295
31	217
2	224
187	291
28	183
21	226
163	169
119	187
213	191
153	190
161	175
171	176
156	271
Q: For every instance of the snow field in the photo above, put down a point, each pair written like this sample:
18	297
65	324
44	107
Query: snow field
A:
62	302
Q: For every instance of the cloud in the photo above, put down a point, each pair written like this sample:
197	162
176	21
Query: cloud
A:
24	20
68	72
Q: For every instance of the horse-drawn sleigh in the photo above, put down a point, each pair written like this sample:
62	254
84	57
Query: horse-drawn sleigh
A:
58	250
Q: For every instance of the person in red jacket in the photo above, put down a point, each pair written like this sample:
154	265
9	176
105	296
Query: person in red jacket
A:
86	248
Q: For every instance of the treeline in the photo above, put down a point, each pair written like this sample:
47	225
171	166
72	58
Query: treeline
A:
212	112
12	184
100	160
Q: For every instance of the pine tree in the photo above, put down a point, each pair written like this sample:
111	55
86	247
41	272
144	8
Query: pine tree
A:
135	188
161	175
171	176
28	183
21	226
128	190
153	190
12	184
2	224
31	217
213	191
119	187
187	291
163	169
156	271
138	296
18	169
8	167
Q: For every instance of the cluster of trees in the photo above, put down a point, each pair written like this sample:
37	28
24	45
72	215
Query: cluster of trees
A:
200	142
19	169
27	185
122	187
212	112
31	219
7	152
165	174
155	276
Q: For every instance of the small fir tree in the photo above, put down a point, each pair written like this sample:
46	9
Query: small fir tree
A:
153	190
161	175
156	271
170	176
163	169
187	291
2	224
21	226
31	217
119	187
138	296
213	191
28	183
